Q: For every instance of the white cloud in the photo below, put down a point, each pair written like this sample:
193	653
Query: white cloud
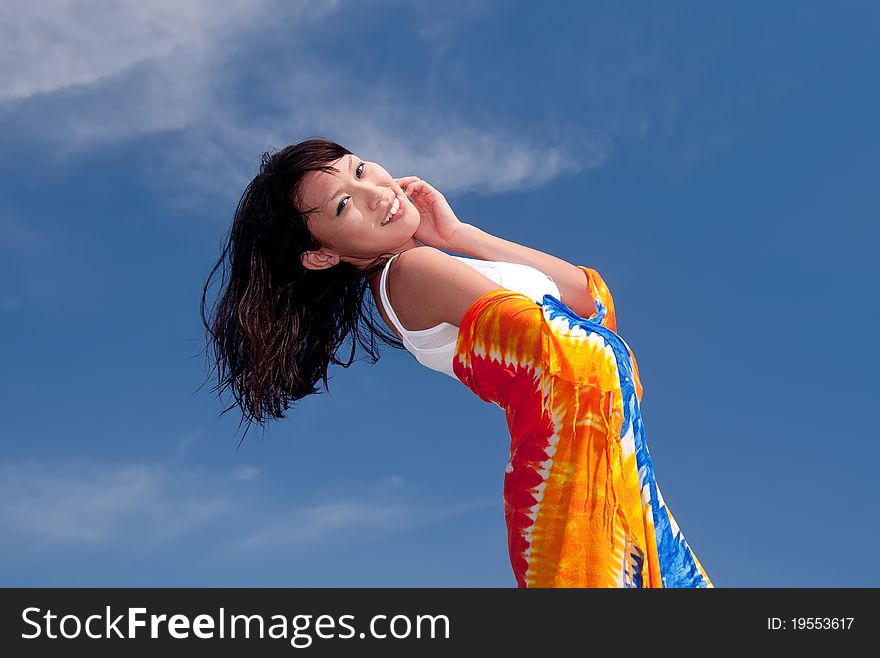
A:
185	444
384	124
91	74
363	515
246	473
55	45
311	523
100	506
91	504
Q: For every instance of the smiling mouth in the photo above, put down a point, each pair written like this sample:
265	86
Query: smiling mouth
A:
397	214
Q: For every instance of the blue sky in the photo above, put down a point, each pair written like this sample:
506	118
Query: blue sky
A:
716	164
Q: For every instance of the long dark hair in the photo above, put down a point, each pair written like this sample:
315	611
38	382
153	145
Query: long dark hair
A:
276	325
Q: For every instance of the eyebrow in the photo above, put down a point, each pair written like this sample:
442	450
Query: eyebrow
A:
339	191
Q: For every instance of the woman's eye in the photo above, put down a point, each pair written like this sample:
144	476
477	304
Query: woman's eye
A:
341	205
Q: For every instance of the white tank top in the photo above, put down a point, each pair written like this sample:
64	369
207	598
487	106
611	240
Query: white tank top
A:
435	347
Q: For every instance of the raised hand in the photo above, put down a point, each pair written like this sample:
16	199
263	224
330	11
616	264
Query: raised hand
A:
438	222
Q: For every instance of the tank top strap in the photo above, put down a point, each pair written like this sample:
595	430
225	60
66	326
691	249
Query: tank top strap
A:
383	293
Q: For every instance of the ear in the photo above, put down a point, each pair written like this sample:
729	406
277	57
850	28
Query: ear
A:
318	260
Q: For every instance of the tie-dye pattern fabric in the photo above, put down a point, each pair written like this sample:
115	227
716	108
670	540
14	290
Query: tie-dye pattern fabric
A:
581	502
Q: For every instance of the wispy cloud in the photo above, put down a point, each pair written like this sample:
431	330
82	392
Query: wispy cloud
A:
369	515
99	505
185	444
311	523
82	74
56	45
90	74
246	473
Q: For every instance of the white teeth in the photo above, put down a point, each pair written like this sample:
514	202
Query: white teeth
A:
395	206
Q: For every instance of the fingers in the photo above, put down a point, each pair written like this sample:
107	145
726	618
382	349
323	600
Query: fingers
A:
404	182
412	184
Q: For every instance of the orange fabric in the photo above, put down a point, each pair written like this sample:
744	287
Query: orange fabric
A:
581	502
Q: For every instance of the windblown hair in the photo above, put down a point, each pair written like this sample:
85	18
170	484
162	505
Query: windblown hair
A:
276	325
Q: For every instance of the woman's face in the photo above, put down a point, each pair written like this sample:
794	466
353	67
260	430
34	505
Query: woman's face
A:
350	208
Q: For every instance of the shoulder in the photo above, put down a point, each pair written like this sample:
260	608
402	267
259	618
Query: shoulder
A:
427	273
420	261
419	253
431	267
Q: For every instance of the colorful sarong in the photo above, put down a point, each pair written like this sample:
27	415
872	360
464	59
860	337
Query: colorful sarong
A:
581	501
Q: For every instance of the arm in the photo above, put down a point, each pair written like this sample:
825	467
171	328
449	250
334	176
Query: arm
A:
571	280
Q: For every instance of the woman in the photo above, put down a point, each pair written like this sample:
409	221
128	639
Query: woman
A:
522	329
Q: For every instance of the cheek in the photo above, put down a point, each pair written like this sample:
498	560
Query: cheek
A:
346	232
325	232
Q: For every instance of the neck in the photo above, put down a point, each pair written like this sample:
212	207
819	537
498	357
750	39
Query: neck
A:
412	243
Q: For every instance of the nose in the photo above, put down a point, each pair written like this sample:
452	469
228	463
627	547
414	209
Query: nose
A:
383	196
